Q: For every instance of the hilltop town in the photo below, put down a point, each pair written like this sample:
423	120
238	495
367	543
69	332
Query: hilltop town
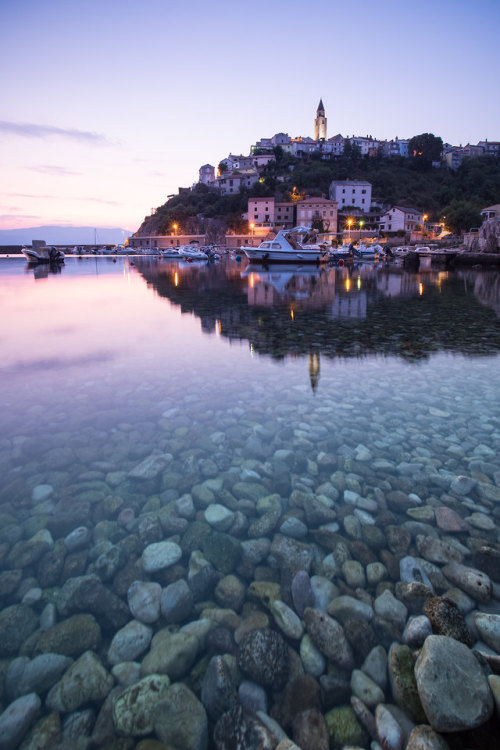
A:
359	186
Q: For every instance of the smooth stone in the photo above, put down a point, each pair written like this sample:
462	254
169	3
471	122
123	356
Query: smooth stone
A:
488	627
344	728
354	574
462	485
312	659
129	642
151	466
180	719
494	682
219	686
450	521
423	737
375	666
263	655
411	571
302	592
403	683
364	688
17	719
144	601
219	517
437	551
251	696
416	631
446	619
375	572
481	521
324	591
78	538
230	592
41	492
71	637
160	555
40	674
474	582
287	620
86	680
170	653
134	709
452	703
328	636
126	673
176	602
389	731
387	606
345	608
294	528
17	622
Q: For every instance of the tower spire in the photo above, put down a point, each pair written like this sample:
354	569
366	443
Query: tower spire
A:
320	123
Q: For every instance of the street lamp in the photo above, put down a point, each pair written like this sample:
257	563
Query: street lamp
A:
175	229
252	228
361	222
424	218
349	222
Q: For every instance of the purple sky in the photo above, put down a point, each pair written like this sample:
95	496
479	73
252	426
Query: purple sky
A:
107	107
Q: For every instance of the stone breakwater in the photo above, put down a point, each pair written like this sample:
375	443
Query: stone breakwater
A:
293	598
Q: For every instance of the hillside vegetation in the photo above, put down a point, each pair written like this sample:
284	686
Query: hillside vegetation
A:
439	192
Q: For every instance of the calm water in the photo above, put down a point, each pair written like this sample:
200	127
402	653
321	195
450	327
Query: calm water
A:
289	380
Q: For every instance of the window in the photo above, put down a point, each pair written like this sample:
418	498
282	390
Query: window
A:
363	191
362	200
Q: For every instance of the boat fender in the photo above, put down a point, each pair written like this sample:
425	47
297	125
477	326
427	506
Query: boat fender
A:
238	258
341	262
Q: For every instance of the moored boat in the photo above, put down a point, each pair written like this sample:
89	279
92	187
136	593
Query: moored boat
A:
286	247
43	254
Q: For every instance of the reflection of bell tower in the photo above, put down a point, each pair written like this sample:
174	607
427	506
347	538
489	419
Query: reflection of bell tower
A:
314	369
320	123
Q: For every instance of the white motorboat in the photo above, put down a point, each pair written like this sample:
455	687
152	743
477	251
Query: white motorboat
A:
189	252
43	254
170	252
288	248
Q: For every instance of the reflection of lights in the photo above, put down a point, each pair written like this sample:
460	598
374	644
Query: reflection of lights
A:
347	284
358	283
420	288
260	321
176	279
251	281
251	350
291	313
218	327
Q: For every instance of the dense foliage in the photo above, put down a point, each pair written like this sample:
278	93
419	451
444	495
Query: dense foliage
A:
440	192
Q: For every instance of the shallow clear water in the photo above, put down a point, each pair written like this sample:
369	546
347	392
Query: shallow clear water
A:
371	379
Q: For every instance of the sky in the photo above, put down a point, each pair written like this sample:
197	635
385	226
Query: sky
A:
107	107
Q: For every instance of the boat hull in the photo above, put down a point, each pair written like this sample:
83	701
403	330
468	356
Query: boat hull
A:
256	255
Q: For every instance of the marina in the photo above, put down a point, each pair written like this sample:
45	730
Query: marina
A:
214	471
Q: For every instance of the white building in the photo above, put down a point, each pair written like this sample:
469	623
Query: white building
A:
231	182
317	209
398	219
207	174
261	211
351	193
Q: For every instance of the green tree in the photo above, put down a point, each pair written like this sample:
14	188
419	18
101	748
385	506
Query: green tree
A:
462	215
426	147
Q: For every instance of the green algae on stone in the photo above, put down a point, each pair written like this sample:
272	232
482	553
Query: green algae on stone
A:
223	551
403	683
344	728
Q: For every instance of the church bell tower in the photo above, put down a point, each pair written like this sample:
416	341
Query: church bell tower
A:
320	123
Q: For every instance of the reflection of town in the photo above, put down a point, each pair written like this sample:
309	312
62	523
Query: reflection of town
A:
336	311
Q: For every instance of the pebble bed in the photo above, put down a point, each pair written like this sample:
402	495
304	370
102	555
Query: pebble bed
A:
265	569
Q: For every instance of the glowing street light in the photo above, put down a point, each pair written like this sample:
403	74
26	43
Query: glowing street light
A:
175	229
361	222
424	219
349	222
252	226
